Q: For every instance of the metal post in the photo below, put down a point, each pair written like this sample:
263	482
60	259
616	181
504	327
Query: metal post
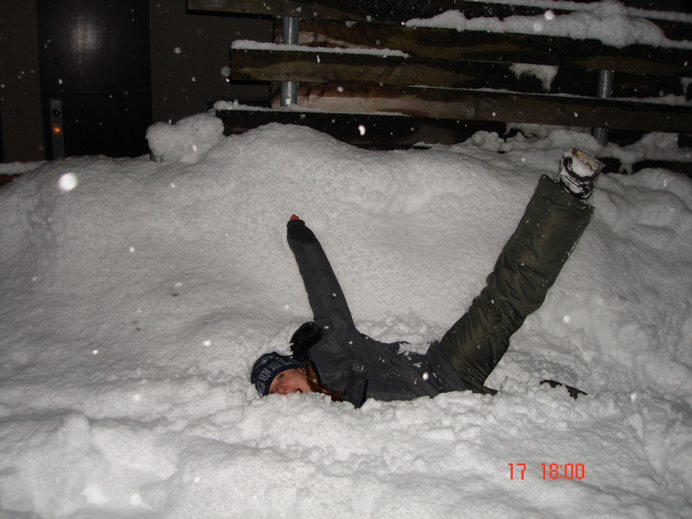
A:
605	91
289	89
56	128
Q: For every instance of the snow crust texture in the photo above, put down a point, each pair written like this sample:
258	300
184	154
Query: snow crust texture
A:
137	294
608	21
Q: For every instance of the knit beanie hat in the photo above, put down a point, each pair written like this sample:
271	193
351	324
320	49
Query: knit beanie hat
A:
268	366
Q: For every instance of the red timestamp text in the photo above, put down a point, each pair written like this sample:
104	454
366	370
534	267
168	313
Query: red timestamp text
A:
550	470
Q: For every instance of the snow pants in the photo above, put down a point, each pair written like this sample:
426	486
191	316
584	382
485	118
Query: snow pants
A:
527	267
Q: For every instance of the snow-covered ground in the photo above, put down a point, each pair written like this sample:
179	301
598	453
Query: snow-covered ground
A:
136	295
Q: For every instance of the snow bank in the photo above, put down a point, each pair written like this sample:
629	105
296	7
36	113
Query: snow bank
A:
186	140
137	295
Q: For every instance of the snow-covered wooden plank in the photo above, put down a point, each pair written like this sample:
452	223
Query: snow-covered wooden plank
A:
675	26
382	11
498	106
253	61
429	42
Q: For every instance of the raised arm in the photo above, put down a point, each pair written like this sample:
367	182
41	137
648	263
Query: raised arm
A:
326	298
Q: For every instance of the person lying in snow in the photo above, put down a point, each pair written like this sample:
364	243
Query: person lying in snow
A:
331	356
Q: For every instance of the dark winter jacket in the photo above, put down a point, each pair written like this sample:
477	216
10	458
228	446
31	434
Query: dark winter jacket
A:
350	363
359	367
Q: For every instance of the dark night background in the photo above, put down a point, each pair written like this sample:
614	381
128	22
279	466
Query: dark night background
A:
120	66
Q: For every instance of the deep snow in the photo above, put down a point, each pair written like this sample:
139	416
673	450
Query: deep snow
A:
136	295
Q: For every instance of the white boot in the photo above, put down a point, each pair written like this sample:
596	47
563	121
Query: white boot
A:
578	173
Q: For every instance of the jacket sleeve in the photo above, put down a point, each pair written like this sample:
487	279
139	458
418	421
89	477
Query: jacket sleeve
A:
333	355
326	298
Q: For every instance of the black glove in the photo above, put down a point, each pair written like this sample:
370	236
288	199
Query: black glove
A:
303	339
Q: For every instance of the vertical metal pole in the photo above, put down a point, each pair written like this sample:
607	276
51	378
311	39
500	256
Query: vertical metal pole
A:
289	89
605	90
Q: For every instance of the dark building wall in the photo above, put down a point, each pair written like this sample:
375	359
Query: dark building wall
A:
179	81
684	6
20	86
188	54
95	76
